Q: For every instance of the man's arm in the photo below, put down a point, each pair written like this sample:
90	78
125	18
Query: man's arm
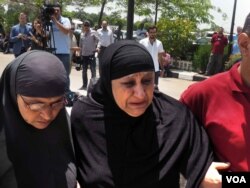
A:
13	36
63	28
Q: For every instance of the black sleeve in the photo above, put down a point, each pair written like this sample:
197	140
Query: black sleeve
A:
198	155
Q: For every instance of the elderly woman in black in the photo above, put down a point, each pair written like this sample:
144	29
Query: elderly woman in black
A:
35	121
128	135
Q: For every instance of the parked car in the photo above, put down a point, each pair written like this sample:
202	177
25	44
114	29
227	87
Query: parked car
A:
135	37
202	41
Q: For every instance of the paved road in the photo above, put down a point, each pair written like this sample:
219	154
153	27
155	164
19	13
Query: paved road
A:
171	86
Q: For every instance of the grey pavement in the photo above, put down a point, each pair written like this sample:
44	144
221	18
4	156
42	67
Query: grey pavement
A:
171	86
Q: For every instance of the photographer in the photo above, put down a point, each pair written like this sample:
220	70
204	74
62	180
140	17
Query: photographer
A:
19	35
61	40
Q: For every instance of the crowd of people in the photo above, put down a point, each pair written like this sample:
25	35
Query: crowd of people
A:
125	132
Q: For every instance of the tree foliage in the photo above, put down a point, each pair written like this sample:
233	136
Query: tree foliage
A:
177	19
176	35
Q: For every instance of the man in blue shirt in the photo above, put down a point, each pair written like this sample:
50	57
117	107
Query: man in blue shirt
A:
61	27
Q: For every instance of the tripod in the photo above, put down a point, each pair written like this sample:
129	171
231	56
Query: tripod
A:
50	40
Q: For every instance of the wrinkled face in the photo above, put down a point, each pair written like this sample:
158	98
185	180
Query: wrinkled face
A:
134	93
39	112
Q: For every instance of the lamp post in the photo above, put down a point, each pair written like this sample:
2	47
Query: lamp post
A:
232	28
130	19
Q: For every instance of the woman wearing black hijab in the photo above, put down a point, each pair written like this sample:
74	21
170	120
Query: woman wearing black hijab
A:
7	175
35	121
126	135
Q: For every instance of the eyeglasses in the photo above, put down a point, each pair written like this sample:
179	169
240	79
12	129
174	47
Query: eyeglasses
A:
41	106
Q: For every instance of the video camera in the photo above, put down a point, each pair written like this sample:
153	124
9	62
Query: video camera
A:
46	12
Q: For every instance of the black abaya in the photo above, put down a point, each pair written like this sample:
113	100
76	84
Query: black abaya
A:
42	158
115	150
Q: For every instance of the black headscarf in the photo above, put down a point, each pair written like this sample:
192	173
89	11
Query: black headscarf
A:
114	149
127	57
41	158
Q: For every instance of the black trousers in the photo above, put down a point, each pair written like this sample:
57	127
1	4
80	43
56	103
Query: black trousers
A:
88	61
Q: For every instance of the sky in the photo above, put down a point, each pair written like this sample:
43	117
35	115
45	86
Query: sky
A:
242	10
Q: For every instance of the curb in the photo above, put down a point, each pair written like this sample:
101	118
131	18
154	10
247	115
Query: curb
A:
185	75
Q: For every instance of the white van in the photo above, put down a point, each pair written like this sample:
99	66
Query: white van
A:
78	25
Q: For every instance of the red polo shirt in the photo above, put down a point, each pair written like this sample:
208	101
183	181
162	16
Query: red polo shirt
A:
222	104
218	43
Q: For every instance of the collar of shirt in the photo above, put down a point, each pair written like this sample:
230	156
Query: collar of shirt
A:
236	83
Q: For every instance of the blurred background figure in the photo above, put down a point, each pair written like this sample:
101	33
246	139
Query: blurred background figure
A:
60	38
106	38
87	48
118	34
6	43
38	36
155	48
166	63
215	65
235	48
20	35
74	53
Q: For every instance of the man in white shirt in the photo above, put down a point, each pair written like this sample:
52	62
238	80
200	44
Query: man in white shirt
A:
106	38
155	48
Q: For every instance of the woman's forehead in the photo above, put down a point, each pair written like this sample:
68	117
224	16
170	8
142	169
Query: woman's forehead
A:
146	73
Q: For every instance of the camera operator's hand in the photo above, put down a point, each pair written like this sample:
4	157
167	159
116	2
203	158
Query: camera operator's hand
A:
60	26
53	18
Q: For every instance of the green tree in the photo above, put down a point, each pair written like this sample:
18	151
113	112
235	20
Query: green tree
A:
176	35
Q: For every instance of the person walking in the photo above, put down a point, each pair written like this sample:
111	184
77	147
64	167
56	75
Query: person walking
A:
134	133
106	38
87	47
215	63
155	48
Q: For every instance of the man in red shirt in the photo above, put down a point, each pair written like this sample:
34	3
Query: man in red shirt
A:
222	104
219	42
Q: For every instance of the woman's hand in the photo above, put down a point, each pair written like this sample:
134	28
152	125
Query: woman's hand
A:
212	178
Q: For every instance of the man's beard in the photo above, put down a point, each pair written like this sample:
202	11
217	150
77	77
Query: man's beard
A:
152	37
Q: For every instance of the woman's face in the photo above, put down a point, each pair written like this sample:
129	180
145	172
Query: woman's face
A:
39	112
37	25
134	93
